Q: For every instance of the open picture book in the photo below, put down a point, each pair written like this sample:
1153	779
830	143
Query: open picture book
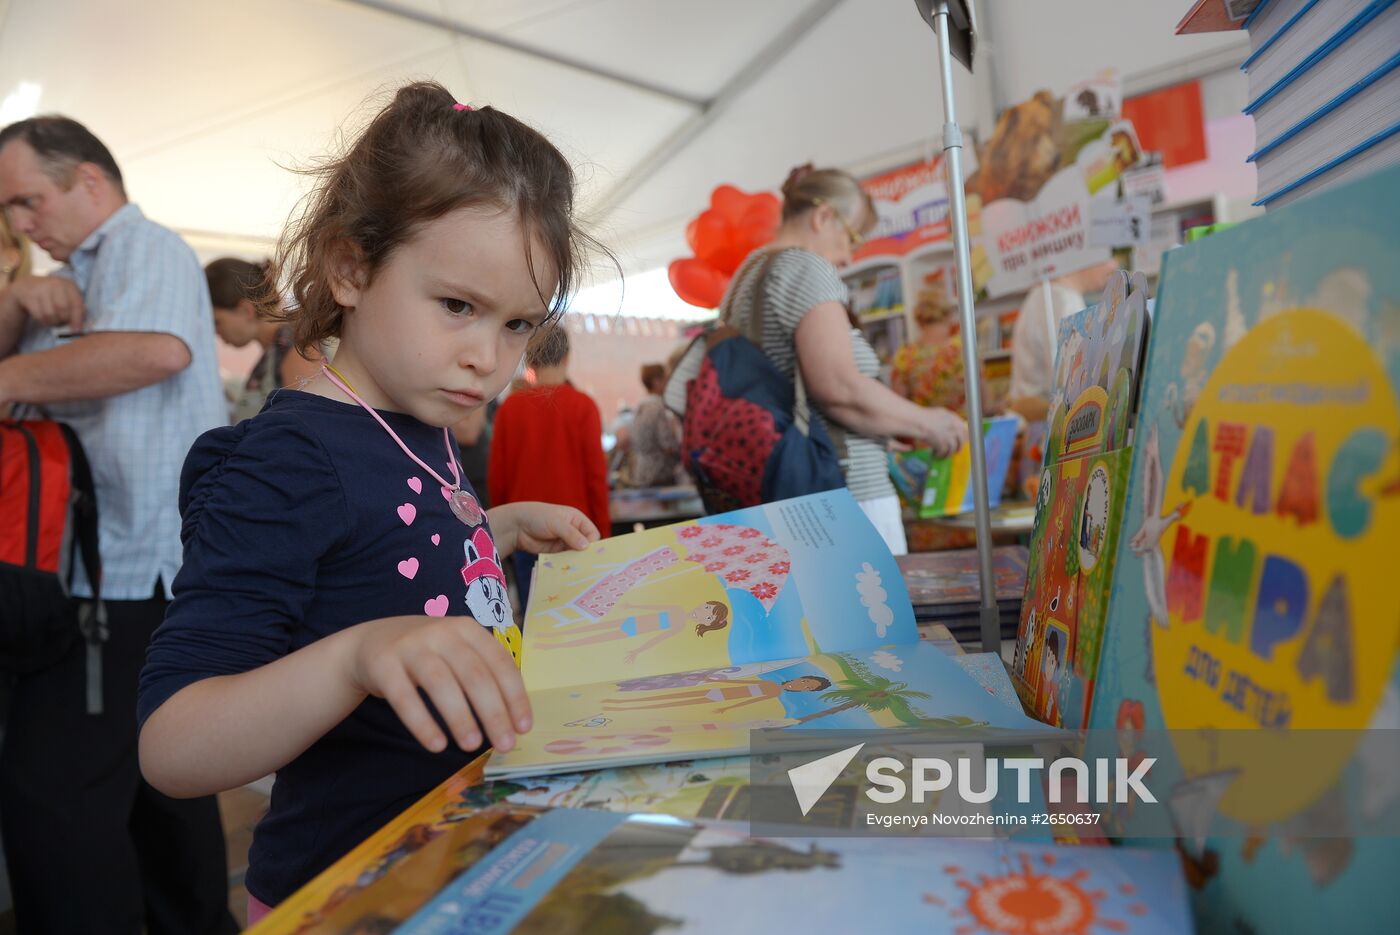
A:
676	642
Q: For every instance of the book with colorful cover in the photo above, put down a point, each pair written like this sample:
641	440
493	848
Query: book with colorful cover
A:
588	871
1072	556
1255	587
678	641
403	865
409	877
1098	368
308	909
379	860
934	487
1079	503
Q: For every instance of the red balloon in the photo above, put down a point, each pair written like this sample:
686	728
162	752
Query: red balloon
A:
759	225
712	235
720	239
729	258
697	283
765	202
763	209
729	202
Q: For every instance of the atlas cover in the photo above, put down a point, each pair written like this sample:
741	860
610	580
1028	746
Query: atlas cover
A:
1255	586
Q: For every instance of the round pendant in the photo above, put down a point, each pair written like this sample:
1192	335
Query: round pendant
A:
465	508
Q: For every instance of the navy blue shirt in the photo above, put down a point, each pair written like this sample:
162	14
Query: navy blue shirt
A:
297	524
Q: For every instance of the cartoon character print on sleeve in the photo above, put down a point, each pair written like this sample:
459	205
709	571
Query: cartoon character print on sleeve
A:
487	599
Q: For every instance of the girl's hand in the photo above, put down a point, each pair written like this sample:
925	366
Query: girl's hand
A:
458	663
541	528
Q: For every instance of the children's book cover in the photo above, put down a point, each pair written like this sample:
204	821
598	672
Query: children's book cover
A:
418	824
778	581
1255	586
1072	555
414	873
953	579
398	869
710	712
909	473
583	871
1098	363
935	487
1079	503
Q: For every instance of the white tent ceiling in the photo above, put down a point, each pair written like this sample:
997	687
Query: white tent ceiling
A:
205	102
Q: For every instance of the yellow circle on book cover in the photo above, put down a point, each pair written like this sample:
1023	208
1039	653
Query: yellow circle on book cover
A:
1282	516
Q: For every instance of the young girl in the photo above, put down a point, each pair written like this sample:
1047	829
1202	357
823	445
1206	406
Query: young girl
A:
332	553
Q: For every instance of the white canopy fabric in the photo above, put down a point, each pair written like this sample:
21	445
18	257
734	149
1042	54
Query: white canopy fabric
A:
207	103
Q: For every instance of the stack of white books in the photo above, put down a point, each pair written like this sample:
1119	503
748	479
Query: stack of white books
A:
1324	88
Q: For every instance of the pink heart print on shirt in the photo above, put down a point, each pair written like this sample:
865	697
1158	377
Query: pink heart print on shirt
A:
408	568
407	513
436	607
415	485
436	538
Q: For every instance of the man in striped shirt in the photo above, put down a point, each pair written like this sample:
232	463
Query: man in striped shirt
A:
119	344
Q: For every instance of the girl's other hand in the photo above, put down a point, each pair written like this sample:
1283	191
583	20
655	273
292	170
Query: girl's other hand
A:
461	667
545	527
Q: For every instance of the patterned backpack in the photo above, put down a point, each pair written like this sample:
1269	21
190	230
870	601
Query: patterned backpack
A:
747	436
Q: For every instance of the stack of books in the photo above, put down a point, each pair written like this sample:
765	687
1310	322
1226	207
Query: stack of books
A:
1324	92
945	588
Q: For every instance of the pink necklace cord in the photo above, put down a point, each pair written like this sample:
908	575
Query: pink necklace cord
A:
344	387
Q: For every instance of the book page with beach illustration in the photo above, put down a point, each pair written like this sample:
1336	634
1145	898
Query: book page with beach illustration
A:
677	642
778	581
709	712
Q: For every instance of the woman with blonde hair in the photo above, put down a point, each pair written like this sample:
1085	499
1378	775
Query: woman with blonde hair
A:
929	370
15	260
808	329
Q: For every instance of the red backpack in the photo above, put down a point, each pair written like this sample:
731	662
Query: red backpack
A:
48	519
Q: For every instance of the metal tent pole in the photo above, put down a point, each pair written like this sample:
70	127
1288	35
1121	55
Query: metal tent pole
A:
952	148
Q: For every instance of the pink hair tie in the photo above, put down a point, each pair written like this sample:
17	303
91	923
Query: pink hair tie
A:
461	107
